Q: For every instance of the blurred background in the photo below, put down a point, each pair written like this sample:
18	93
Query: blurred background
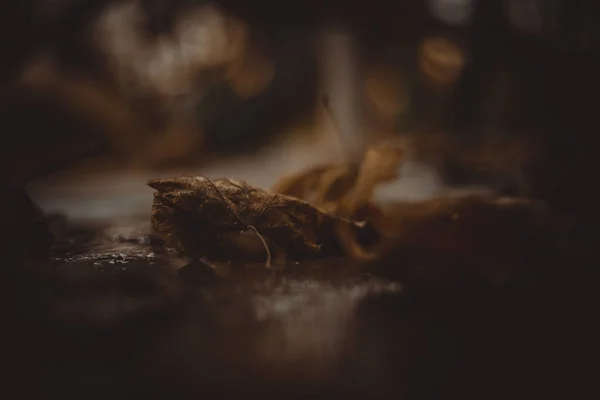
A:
498	93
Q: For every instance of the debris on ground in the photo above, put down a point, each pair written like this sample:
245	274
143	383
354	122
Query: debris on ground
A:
329	211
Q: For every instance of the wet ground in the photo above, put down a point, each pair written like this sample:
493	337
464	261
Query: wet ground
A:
114	315
117	317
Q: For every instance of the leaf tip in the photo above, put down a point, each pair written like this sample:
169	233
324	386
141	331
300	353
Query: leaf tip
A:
162	185
171	184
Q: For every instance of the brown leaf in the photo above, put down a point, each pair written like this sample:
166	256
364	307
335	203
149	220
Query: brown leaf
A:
323	185
199	217
380	165
347	192
342	188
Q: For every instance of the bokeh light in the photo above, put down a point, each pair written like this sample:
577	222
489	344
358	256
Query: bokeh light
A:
441	60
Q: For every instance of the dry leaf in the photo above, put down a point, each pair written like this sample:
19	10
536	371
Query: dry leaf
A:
343	188
199	217
323	185
347	192
380	165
